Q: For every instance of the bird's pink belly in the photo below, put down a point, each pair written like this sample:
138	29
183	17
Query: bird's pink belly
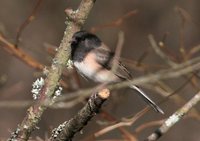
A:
96	73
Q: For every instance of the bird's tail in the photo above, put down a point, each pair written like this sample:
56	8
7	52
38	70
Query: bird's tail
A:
147	99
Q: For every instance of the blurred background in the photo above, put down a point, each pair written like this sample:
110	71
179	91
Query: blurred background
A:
174	24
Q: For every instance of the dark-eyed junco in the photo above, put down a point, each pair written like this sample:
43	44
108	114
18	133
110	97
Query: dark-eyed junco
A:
94	60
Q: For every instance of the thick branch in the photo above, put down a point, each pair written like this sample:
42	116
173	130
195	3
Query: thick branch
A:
35	112
175	118
66	130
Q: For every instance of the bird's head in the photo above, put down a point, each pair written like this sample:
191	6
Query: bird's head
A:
85	39
82	42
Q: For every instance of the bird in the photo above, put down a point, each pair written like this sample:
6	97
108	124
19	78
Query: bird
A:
94	60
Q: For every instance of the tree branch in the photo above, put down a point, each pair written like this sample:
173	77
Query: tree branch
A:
66	130
181	69
175	118
28	20
20	54
75	20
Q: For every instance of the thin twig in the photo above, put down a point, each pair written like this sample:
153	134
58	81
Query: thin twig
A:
125	133
116	23
148	124
175	118
14	104
181	34
159	52
125	122
29	19
168	60
118	51
194	50
20	54
142	57
23	56
169	93
179	70
138	65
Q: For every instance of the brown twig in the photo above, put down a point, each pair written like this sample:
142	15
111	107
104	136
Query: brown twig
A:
20	54
75	20
115	23
168	60
118	51
181	34
141	58
25	103
169	93
159	52
125	133
28	20
187	16
125	122
68	129
193	51
175	118
23	56
140	66
162	44
148	124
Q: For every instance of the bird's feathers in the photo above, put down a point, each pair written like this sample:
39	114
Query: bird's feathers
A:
93	59
106	59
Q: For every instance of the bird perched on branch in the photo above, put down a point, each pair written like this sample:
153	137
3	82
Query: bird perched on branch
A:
94	60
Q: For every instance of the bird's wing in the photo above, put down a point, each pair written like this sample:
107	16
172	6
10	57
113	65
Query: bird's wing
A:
106	59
